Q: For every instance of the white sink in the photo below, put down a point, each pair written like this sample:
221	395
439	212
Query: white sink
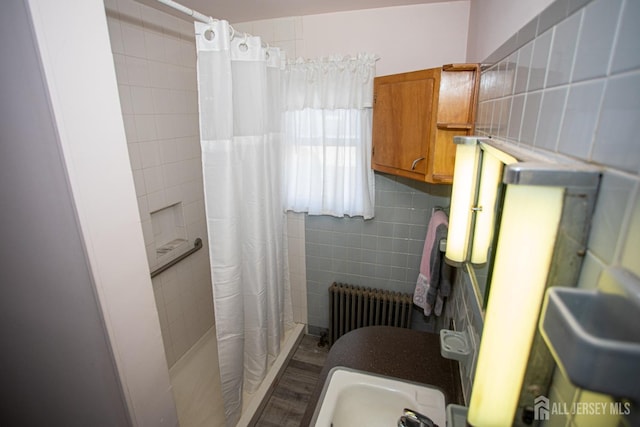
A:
356	398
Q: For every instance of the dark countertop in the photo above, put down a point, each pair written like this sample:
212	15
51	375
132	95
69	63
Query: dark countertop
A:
393	352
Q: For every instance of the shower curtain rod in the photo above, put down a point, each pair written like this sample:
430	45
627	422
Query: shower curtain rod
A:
193	13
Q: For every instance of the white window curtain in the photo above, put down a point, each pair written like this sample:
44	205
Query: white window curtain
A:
327	136
240	110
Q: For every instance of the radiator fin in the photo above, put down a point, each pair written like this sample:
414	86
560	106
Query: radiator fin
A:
352	307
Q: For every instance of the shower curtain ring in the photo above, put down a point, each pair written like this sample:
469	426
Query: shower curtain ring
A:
244	46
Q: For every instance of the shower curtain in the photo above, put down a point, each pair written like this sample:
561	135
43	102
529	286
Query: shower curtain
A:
240	113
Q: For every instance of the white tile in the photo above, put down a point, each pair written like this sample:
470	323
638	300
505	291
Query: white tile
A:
134	157
539	61
133	40
243	27
147	232
142	100
300	52
188	53
138	71
168	150
596	39
154	19
515	118
153	179
488	84
149	154
563	51
138	181
130	11
173	174
590	272
191	99
530	117
265	29
606	226
580	118
299	28
130	128
627	49
503	117
485	110
158	76
143	208
288	47
553	102
186	148
616	139
509	71
154	44
194	212
170	285
191	191
523	66
173	195
285	29
115	35
126	103
111	6
156	200
162	100
120	63
173	50
145	128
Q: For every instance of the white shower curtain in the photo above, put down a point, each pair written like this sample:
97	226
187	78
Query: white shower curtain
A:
240	113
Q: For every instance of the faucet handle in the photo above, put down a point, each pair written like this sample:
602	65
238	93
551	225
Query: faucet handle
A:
417	417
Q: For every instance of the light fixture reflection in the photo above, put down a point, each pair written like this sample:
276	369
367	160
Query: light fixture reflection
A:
490	177
462	199
528	231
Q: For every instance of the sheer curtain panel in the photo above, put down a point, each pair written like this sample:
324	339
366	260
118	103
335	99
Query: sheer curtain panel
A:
240	109
327	136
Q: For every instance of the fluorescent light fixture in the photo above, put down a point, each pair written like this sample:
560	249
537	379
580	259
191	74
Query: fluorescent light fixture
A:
528	230
462	198
490	178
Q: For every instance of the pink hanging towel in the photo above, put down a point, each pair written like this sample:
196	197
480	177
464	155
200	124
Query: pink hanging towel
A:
434	279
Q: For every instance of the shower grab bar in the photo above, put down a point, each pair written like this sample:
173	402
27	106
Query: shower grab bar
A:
197	245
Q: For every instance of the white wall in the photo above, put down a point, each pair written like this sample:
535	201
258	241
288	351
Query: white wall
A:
487	32
79	74
406	38
56	362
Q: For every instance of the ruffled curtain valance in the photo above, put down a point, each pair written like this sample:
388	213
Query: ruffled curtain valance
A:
330	83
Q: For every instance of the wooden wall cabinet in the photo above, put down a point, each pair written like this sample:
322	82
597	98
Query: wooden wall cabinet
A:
415	117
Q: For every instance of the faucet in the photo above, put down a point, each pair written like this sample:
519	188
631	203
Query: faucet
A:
411	418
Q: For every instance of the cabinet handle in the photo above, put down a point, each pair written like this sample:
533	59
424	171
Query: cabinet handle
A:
415	162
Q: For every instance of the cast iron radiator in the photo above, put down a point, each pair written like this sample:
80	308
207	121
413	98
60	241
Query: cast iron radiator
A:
352	307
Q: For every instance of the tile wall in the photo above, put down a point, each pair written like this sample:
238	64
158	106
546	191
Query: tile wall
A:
297	270
155	61
285	33
569	83
383	252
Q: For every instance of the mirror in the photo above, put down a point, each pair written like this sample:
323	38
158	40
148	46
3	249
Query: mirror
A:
486	164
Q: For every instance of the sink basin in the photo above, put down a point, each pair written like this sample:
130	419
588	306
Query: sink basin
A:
356	398
595	337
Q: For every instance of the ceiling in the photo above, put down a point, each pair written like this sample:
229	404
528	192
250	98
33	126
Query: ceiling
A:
252	10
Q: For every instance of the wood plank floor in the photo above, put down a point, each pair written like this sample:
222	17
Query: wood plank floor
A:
288	402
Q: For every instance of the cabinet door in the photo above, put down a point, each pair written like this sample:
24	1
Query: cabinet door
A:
403	117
